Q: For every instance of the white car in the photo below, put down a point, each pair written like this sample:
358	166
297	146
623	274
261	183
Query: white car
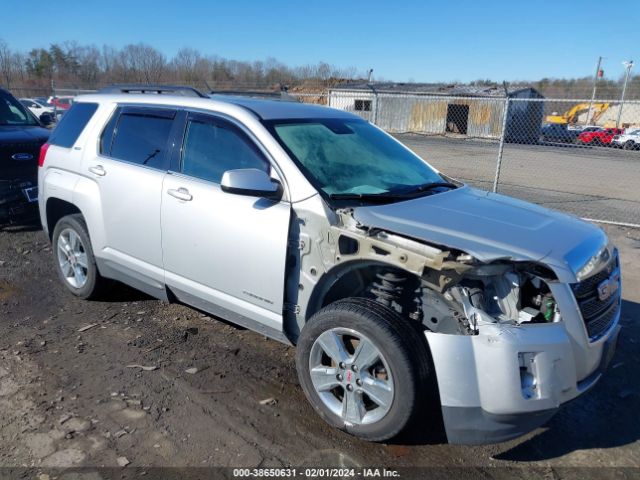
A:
36	107
629	140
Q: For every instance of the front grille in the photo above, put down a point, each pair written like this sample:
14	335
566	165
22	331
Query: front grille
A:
598	315
11	169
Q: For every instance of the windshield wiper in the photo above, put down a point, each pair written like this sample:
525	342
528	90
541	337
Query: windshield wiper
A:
426	187
412	192
365	196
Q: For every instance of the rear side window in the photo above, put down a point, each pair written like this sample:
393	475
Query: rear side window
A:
140	138
72	124
213	147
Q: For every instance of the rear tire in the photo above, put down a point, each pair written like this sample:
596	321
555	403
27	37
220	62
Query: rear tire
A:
371	368
74	259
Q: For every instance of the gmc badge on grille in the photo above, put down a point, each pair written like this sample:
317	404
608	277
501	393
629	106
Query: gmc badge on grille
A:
608	287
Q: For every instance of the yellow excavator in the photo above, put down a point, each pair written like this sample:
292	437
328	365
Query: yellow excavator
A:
571	115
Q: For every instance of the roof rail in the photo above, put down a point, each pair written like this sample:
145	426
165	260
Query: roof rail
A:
153	89
281	95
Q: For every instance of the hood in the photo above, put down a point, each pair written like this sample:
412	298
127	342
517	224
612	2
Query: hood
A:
23	134
491	226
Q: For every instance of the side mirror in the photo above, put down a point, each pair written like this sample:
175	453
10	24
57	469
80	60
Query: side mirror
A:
46	118
251	182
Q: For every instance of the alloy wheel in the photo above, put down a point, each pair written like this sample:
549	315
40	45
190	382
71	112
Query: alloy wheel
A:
72	258
351	376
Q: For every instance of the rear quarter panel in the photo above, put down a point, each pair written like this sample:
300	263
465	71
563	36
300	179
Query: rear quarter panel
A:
63	177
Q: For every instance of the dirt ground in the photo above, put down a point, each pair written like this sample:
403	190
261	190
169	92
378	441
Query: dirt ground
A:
108	383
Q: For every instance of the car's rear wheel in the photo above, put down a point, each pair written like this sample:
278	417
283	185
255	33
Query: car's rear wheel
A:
364	368
74	259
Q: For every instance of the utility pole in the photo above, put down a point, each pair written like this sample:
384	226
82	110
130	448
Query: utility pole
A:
628	66
593	93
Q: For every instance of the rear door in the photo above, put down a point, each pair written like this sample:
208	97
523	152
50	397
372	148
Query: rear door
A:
223	253
129	169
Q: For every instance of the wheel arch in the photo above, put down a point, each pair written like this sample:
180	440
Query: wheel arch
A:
346	280
57	208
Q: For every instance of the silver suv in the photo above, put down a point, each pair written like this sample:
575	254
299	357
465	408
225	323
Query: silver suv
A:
410	296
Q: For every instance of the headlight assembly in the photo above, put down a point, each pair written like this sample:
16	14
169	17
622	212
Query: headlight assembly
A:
595	263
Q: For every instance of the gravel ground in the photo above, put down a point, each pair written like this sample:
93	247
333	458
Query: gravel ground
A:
108	384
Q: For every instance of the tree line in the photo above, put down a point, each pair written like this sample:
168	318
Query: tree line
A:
72	65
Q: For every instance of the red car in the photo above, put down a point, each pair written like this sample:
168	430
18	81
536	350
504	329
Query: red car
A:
599	137
61	103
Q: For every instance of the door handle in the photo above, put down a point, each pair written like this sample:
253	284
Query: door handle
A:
98	170
181	194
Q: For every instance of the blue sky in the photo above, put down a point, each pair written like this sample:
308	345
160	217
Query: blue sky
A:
401	40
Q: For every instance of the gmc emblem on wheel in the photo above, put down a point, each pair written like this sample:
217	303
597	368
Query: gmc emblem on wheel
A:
22	156
608	287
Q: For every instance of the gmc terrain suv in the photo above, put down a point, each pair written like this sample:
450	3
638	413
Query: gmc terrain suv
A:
409	295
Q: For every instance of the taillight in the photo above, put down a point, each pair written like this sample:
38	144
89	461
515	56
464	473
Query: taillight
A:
43	153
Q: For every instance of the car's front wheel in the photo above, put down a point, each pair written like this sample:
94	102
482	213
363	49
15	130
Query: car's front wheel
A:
364	368
74	258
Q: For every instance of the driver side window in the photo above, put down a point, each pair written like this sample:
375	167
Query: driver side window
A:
213	146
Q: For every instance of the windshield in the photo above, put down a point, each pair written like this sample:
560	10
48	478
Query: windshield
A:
13	113
351	157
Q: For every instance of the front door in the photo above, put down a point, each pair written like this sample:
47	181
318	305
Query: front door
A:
223	253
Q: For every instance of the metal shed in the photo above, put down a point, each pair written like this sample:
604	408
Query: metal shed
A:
472	111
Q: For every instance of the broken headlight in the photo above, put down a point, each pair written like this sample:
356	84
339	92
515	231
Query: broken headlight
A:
507	294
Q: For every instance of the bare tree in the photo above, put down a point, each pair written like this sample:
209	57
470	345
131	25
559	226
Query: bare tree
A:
87	66
6	63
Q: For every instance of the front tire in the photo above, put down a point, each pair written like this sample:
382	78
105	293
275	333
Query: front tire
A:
364	368
74	259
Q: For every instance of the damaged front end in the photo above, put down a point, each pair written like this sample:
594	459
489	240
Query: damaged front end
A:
506	336
448	290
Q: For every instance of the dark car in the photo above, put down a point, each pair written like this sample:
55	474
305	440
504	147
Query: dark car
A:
21	136
556	132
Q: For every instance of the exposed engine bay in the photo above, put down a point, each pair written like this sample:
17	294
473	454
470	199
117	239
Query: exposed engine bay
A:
448	291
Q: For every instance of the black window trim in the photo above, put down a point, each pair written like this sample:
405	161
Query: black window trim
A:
191	115
159	111
176	158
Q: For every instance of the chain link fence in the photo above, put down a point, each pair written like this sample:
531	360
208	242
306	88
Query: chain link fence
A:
575	155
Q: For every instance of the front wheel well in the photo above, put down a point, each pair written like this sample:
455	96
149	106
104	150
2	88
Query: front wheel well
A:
55	210
355	279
